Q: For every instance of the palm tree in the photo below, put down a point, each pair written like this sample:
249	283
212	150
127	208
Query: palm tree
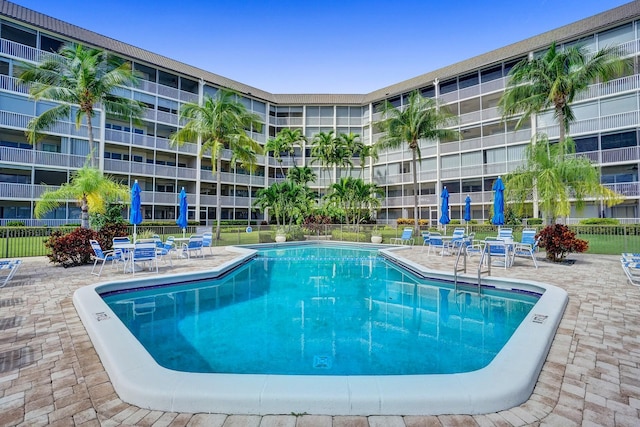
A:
322	148
246	157
347	145
420	119
220	123
80	76
559	176
90	188
301	175
270	198
554	80
276	146
354	197
292	138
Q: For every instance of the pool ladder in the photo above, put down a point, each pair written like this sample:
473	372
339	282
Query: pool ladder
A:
456	268
462	253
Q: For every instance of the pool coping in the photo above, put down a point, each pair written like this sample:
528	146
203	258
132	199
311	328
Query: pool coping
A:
139	380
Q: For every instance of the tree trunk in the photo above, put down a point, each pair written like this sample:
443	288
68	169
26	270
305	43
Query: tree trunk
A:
218	191
84	209
92	149
414	164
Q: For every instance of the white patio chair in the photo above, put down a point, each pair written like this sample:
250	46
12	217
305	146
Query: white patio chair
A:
104	256
11	267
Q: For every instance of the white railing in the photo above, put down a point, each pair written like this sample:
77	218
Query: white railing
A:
187	173
625	154
13	84
470	144
16	155
165	198
15	191
166	171
493	140
627	189
144	168
111	165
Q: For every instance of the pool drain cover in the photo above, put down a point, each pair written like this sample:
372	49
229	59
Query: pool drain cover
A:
322	362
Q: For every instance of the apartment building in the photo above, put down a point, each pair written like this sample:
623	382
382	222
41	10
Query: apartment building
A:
606	129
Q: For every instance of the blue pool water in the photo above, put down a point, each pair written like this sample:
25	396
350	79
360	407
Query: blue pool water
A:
318	310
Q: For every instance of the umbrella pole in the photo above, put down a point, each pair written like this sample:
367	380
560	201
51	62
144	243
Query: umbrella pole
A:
135	229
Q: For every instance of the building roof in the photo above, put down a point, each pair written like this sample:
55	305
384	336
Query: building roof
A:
568	32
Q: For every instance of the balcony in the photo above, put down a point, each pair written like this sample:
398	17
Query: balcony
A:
627	189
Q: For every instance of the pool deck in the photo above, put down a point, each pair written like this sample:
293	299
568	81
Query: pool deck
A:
50	373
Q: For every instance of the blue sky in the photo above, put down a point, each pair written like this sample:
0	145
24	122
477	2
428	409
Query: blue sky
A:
303	46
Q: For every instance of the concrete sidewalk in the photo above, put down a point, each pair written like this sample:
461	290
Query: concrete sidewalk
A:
50	373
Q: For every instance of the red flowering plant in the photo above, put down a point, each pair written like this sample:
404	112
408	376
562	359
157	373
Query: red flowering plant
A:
71	249
558	241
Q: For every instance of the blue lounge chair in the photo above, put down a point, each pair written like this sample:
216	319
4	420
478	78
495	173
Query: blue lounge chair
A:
527	247
207	241
405	239
194	245
104	256
11	266
144	253
436	242
632	271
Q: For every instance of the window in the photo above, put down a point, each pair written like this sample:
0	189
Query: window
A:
491	74
468	80
471	159
448	162
618	140
494	156
589	143
448	86
616	36
167	79
49	44
188	85
18	34
618	105
50	148
146	73
428	92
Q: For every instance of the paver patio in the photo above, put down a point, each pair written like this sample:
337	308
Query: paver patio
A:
50	373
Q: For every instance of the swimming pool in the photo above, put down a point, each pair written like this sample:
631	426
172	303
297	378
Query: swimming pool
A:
505	382
326	310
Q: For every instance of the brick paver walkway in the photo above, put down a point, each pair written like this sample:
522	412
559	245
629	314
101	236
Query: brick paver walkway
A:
50	373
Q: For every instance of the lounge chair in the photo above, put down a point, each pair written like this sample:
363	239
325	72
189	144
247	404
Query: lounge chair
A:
632	270
104	256
166	250
207	241
426	235
11	266
436	242
505	233
144	252
527	247
193	245
405	239
499	249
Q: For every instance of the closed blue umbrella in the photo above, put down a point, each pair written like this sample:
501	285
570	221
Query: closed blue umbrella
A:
184	208
444	213
498	203
467	209
135	212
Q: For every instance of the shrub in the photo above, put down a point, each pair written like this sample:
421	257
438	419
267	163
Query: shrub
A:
558	241
410	221
108	232
71	249
599	221
534	221
14	224
455	222
316	223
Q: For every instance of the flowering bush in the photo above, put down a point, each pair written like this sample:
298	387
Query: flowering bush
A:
558	240
71	249
316	223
